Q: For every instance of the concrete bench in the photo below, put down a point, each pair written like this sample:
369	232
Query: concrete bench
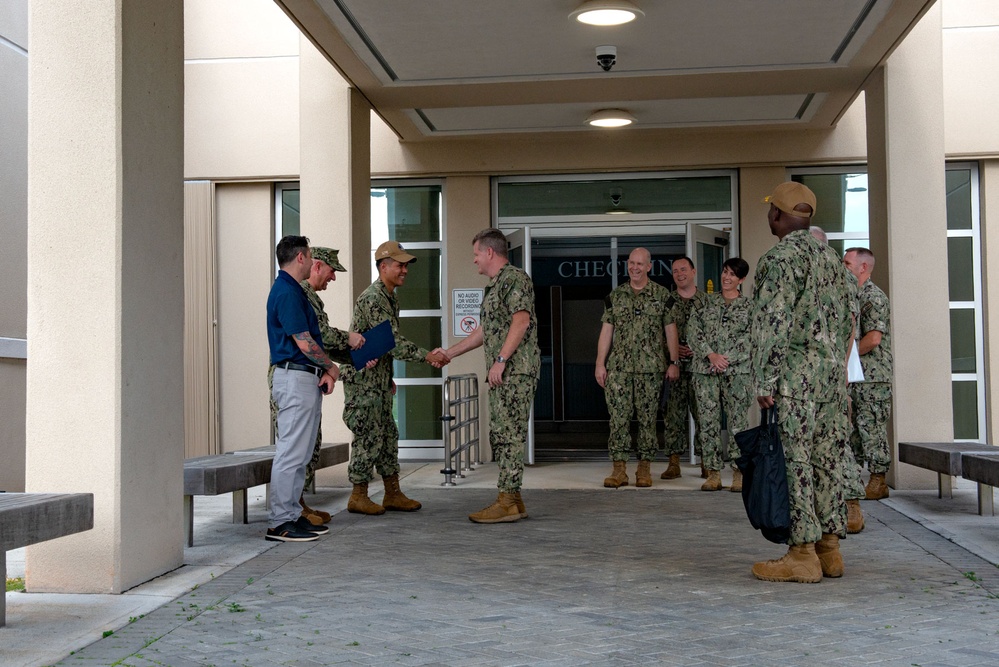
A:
235	473
943	458
30	518
983	468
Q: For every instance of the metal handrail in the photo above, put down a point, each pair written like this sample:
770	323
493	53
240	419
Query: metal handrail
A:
461	425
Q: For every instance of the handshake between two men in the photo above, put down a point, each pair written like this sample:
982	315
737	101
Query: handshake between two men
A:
438	358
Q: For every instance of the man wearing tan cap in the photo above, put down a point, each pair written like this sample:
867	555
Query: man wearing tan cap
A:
800	334
337	343
368	392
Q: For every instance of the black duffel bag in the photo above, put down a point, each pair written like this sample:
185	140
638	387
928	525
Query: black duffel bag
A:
764	478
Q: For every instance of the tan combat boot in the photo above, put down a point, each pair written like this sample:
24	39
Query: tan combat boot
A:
359	502
854	517
704	472
504	510
713	483
827	549
520	505
736	481
799	564
313	516
673	469
394	499
619	477
876	487
643	477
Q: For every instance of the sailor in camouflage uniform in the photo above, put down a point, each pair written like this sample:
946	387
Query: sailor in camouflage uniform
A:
636	329
685	298
369	392
853	487
718	334
800	334
325	263
872	397
509	333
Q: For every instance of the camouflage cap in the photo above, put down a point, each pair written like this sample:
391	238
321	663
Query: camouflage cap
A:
328	255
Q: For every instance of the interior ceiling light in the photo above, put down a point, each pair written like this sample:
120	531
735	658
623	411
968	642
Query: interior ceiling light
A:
610	118
606	12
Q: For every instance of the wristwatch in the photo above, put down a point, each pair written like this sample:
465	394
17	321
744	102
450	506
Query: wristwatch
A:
501	359
675	362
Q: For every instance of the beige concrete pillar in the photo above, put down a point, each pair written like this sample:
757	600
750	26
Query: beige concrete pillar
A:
105	286
335	158
908	222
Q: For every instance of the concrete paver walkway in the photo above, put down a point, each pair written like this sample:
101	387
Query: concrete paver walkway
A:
594	577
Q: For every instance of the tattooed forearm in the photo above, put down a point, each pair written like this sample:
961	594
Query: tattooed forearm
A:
313	350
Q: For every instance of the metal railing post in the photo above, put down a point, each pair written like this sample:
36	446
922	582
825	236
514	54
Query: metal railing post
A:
461	426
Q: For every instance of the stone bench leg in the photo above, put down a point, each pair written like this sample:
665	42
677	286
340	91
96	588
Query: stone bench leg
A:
239	509
945	484
985	507
3	600
189	520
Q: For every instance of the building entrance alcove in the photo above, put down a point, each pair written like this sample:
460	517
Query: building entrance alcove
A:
574	237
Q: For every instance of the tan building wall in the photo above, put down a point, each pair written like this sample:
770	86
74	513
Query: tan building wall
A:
970	80
245	270
466	202
630	151
241	116
241	91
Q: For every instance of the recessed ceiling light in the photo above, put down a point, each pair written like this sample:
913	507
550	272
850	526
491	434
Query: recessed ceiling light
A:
610	118
606	12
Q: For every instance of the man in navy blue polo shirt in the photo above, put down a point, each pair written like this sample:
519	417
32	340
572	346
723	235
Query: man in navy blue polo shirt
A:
303	373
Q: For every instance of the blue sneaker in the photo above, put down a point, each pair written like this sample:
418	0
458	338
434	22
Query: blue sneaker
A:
307	526
290	532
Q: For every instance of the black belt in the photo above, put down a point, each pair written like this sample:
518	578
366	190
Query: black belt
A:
318	372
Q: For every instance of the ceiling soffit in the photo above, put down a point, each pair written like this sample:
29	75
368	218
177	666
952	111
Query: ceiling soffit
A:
467	67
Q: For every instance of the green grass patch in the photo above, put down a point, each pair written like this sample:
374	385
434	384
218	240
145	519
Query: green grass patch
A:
16	584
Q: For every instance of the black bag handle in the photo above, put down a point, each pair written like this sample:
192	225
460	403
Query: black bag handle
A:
768	415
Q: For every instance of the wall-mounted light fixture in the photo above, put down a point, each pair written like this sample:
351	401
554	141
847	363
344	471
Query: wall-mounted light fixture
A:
606	12
610	118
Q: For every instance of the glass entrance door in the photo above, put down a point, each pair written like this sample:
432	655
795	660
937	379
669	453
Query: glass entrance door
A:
572	276
708	246
572	233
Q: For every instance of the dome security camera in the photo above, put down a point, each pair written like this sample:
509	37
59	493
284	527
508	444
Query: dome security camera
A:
606	57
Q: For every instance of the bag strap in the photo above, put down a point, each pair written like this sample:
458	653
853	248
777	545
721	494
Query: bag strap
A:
768	415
